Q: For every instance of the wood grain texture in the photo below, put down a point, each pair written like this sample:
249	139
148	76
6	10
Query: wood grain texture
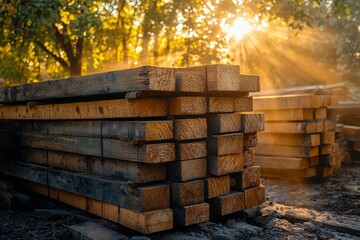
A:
146	223
225	144
282	162
328	126
187	106
217	186
250	140
115	169
286	102
187	129
289	139
224	123
247	178
225	164
187	193
320	113
145	153
192	79
249	157
193	214
293	127
327	137
328	148
227	204
254	196
187	170
252	122
288	114
191	150
112	191
220	105
120	108
137	79
249	83
289	173
243	104
286	151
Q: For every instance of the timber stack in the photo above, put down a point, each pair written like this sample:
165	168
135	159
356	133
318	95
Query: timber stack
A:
299	140
148	148
347	116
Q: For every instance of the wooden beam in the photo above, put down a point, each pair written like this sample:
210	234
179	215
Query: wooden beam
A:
187	193
252	122
282	162
224	123
116	169
225	144
289	173
187	106
221	104
102	84
289	139
286	151
191	150
217	186
288	114
351	132
328	126
225	164
190	215
189	129
187	170
227	204
254	196
112	191
119	108
249	157
327	137
286	102
250	140
243	104
247	178
320	113
293	127
191	79
328	148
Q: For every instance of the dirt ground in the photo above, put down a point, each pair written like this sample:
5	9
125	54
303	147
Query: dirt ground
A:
307	209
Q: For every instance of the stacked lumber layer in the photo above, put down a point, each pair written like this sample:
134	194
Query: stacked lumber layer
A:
347	115
298	140
146	148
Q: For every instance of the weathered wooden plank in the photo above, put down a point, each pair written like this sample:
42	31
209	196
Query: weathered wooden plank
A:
191	150
225	144
247	178
217	186
145	153
252	122
254	196
282	162
327	137
289	139
288	114
192	79
293	127
146	223
193	214
119	108
286	151
249	157
115	169
224	123
188	129
137	79
228	78
111	191
225	164
187	193
286	102
250	140
187	170
227	204
187	106
289	173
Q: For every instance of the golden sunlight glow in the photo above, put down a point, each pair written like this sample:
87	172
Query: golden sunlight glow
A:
240	28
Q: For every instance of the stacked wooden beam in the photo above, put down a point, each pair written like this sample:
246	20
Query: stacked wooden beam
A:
347	114
145	147
298	140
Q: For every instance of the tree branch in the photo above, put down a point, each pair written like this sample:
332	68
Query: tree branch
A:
57	58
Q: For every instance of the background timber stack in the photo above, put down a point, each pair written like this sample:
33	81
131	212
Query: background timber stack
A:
298	140
134	146
347	114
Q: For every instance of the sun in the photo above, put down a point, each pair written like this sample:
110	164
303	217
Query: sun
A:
240	29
